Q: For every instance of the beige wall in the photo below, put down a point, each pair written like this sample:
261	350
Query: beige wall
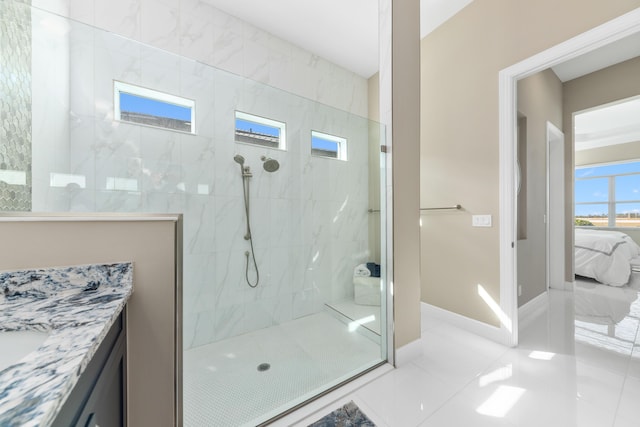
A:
405	129
151	311
459	141
540	101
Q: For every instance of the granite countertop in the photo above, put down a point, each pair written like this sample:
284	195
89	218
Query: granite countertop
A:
77	305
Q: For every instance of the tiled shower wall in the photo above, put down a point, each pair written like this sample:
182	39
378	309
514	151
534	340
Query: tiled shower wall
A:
195	29
15	108
309	219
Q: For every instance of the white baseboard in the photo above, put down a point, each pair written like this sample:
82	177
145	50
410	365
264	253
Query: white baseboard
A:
569	286
408	352
482	329
531	309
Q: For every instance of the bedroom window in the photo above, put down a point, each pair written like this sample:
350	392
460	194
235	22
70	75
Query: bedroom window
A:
608	195
150	107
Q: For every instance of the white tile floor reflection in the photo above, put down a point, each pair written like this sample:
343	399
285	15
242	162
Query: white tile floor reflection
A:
567	372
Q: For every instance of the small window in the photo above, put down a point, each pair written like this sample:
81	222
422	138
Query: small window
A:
325	145
261	131
152	108
64	180
121	184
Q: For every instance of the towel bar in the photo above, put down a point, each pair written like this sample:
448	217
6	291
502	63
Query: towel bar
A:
456	207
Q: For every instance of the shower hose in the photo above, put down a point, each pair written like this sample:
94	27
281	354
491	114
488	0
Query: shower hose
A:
247	254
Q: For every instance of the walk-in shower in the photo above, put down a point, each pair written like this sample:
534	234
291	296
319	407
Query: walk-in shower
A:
270	253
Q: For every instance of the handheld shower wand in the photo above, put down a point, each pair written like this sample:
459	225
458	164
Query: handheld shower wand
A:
246	174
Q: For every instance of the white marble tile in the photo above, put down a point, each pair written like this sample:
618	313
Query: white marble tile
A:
59	7
229	321
205	328
115	59
196	30
159	21
159	144
82	10
255	53
118	201
197	82
628	409
266	312
406	396
198	159
230	223
634	362
160	70
303	73
230	279
117	151
228	42
276	271
119	16
306	302
158	202
321	179
279	65
298	266
81	71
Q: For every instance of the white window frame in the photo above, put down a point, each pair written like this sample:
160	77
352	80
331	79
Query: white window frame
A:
121	87
611	201
282	140
341	141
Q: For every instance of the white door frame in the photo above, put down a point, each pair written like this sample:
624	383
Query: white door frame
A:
602	35
554	215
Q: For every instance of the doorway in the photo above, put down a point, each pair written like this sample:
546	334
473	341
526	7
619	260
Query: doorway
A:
612	31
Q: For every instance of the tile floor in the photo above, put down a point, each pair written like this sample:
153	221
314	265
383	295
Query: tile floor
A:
566	372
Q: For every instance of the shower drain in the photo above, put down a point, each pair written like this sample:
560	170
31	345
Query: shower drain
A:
263	367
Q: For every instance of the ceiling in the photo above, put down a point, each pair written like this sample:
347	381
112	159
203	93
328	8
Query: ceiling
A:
611	124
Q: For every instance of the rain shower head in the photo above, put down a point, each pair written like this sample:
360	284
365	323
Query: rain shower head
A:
239	159
270	165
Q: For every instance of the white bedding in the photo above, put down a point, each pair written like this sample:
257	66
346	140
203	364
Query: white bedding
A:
604	255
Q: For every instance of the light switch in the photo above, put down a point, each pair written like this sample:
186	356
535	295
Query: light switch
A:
481	220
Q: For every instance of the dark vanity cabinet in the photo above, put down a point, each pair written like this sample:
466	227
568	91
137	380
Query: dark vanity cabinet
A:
99	397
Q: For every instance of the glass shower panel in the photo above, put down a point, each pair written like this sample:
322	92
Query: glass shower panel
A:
311	228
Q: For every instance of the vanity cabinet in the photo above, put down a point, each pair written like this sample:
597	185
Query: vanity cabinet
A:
99	397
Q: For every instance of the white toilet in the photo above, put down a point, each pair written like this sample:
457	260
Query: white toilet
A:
366	290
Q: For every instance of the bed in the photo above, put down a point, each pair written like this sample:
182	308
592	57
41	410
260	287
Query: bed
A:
606	256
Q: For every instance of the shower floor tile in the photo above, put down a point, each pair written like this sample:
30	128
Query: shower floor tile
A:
223	386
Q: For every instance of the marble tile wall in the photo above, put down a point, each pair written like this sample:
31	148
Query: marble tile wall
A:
197	30
309	219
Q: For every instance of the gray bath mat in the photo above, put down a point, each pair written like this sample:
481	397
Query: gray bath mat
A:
347	416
